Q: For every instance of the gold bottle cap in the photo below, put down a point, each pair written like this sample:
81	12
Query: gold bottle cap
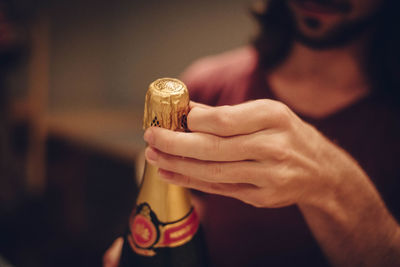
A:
166	104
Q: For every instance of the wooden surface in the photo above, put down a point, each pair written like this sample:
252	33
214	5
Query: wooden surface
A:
115	132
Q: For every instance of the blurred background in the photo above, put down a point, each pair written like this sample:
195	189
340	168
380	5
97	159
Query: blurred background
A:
73	76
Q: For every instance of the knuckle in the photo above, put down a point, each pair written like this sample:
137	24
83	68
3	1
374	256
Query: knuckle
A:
263	104
277	151
215	144
284	182
282	113
281	149
282	108
223	118
247	147
263	149
215	170
255	147
282	153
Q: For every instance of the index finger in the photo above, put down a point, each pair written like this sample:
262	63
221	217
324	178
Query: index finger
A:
245	118
193	104
203	146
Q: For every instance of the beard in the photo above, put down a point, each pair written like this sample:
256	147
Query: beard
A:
340	35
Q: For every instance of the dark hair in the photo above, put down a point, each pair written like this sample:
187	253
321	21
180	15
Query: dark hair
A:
277	33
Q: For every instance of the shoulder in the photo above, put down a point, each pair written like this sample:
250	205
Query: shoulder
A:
235	61
207	77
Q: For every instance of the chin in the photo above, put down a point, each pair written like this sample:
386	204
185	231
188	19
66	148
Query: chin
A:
319	34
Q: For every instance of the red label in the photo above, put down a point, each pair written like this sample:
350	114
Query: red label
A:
148	233
144	232
180	232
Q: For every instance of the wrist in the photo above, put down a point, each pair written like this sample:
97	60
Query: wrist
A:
350	211
346	213
337	177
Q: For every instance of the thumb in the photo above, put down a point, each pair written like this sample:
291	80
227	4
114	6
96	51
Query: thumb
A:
113	254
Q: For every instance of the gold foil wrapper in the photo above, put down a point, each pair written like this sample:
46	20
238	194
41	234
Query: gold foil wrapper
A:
166	105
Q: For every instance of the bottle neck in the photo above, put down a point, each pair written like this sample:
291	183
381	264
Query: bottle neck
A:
169	202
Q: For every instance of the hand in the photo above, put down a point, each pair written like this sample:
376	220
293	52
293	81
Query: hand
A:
259	152
113	254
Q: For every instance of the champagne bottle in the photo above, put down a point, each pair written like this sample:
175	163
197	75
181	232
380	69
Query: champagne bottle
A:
164	228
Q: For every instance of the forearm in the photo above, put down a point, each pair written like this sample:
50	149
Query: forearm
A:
352	224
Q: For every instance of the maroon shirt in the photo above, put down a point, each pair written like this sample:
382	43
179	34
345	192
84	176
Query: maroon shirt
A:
241	235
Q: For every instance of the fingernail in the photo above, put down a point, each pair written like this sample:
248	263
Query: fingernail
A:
151	154
149	136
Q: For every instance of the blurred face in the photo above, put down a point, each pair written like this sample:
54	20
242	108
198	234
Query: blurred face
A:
327	23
